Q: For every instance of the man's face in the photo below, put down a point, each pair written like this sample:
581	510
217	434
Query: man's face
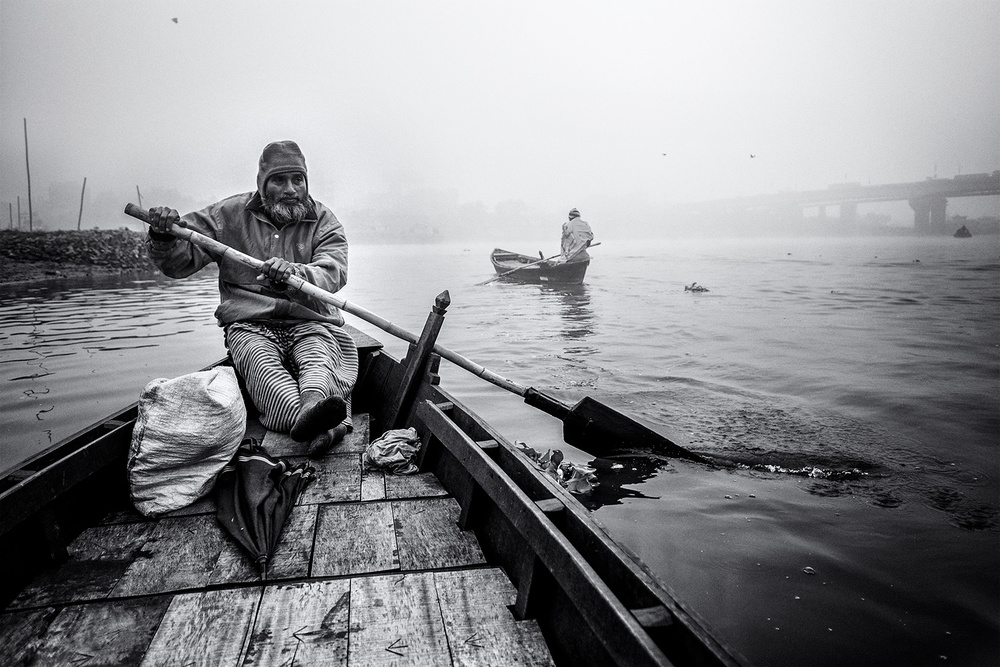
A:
286	188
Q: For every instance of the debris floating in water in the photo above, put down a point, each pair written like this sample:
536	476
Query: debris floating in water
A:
695	287
574	477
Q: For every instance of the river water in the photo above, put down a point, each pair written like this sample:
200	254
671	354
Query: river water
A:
858	380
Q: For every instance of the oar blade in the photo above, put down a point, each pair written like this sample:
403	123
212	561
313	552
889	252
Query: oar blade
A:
599	429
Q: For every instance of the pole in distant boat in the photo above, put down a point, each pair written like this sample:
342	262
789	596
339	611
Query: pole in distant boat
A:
10	212
27	168
19	212
80	218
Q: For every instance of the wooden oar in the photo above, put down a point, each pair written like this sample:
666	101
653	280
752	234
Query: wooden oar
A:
543	259
589	425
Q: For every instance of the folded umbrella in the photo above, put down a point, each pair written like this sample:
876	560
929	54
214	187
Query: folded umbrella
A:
254	495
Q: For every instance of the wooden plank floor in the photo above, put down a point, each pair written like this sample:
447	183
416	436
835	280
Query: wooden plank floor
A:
371	570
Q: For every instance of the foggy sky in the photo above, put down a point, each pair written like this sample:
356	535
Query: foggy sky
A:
604	106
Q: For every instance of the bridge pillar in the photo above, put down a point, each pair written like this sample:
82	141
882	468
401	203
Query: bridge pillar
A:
929	214
939	215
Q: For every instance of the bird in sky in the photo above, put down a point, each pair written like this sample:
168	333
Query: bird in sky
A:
174	20
752	155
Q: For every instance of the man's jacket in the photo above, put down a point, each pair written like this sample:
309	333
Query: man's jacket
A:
317	245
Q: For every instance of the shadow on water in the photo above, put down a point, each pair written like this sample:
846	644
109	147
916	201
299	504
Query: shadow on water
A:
574	309
615	474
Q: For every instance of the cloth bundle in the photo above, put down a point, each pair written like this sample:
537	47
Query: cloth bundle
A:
394	451
187	430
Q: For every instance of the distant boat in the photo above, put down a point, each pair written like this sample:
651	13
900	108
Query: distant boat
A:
527	269
963	233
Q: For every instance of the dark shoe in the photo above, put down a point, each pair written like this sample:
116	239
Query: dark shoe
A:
317	417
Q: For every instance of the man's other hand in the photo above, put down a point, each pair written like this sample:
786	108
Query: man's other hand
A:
161	218
277	270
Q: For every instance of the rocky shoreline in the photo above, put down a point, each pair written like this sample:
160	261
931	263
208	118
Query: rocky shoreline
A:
35	256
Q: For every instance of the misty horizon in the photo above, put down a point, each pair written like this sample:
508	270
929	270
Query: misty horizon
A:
449	116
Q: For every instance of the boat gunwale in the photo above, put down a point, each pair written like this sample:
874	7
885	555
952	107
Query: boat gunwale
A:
615	566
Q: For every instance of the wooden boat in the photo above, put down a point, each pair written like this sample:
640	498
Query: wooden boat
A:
962	233
527	269
480	558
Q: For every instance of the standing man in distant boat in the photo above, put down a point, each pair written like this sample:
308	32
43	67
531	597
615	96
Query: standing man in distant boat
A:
298	363
576	238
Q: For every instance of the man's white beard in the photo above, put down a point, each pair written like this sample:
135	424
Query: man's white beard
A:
284	213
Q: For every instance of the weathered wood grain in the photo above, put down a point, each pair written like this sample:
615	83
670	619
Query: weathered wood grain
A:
358	439
372	484
396	620
290	560
338	479
21	633
179	554
354	539
302	624
208	628
102	633
418	485
98	558
429	538
481	629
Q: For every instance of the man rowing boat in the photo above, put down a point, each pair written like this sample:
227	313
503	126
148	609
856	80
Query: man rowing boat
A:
576	238
298	363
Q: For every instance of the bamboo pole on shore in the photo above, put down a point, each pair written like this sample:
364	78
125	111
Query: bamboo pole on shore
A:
19	213
139	194
10	212
80	218
27	168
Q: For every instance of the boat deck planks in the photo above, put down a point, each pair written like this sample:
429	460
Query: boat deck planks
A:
180	554
107	633
204	628
418	485
302	624
474	605
355	539
338	477
357	579
98	559
428	535
398	622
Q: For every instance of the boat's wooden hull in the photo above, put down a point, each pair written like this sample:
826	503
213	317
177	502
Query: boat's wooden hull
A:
526	269
480	528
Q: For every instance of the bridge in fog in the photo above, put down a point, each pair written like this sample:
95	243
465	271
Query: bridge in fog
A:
927	198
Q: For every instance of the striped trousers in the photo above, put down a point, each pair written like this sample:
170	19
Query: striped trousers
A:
278	363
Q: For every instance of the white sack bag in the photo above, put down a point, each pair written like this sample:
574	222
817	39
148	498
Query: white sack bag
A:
187	430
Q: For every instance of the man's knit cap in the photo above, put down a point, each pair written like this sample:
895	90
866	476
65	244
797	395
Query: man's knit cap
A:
279	157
